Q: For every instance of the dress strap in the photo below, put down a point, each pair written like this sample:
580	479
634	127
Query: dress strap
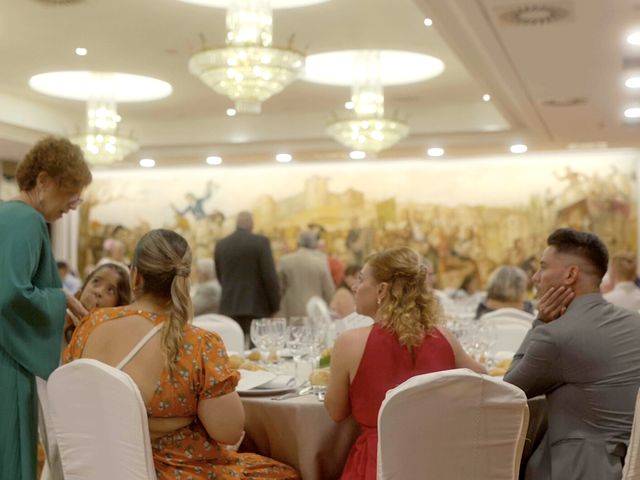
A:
138	346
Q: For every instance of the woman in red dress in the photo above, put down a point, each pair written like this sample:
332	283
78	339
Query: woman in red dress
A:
405	340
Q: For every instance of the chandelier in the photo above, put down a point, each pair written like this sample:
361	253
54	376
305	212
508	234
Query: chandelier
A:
367	129
101	143
248	70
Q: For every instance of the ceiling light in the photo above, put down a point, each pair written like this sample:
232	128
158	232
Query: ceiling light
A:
396	67
214	160
633	112
428	22
633	38
366	128
486	97
81	52
518	148
248	69
80	85
283	158
348	105
632	82
357	155
435	152
231	112
147	163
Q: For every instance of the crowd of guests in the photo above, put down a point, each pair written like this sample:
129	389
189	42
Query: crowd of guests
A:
582	351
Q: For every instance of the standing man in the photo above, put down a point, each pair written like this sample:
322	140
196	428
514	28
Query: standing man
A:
247	274
583	353
304	274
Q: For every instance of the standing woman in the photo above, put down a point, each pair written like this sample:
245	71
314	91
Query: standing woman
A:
51	178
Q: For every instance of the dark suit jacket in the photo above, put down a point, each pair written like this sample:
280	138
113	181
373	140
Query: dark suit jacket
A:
247	274
587	362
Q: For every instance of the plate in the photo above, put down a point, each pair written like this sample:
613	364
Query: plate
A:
259	392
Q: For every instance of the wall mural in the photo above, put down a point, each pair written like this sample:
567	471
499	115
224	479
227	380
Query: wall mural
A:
465	215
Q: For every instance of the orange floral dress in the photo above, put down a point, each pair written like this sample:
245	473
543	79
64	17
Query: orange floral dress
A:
202	372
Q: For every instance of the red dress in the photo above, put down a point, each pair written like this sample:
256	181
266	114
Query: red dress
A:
385	364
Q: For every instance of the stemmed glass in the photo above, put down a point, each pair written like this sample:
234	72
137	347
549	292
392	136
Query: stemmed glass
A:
299	339
260	335
319	329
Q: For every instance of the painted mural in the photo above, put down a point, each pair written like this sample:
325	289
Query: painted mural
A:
466	216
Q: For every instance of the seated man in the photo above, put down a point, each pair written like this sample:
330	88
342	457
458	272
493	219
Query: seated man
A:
625	293
584	354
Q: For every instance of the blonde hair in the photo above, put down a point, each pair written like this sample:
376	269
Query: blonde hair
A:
163	259
409	309
507	284
623	266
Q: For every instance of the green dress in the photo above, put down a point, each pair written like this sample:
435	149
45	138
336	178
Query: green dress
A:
32	309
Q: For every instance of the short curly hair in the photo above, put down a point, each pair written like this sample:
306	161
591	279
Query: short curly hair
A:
57	157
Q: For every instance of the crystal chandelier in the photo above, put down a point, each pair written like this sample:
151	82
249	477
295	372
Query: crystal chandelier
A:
101	143
248	70
367	129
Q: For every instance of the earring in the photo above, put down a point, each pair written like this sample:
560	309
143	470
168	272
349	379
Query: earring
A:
379	301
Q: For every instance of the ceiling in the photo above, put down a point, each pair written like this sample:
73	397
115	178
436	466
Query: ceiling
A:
531	72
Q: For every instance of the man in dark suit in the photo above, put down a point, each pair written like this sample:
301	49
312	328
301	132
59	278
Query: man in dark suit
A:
583	353
247	274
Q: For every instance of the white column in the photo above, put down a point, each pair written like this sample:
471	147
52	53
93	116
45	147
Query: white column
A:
65	238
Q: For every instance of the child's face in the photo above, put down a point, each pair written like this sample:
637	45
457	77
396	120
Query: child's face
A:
102	290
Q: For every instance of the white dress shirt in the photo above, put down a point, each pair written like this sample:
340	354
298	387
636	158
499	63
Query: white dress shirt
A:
625	295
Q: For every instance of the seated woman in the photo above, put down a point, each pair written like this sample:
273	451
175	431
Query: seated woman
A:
343	302
182	372
506	288
404	341
106	286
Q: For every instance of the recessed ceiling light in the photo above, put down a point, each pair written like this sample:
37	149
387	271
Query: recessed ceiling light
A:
518	148
486	97
428	22
276	4
214	160
80	85
357	155
348	105
435	152
633	38
633	112
632	82
147	163
283	158
81	52
231	112
396	67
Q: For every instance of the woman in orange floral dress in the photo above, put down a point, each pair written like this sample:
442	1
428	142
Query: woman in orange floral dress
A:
182	372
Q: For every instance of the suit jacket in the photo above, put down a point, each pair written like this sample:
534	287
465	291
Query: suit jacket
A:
587	362
303	274
247	275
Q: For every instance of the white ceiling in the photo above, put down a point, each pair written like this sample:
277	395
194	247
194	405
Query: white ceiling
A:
521	66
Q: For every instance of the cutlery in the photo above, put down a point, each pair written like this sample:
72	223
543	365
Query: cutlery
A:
297	393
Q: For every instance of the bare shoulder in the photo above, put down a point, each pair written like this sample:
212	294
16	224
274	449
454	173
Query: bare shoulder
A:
352	341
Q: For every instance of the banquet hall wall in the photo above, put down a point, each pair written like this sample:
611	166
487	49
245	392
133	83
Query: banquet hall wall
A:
464	214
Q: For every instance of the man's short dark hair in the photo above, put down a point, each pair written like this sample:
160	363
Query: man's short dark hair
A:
582	244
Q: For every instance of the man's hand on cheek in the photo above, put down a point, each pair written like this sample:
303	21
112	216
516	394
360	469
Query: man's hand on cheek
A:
554	303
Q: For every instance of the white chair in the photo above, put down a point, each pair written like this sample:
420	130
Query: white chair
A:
453	425
510	325
631	470
355	320
100	422
228	329
318	309
52	468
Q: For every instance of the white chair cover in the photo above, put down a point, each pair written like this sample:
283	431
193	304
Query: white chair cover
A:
52	469
511	326
453	425
228	329
631	470
100	422
318	309
355	320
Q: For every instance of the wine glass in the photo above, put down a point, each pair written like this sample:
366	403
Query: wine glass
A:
299	339
259	333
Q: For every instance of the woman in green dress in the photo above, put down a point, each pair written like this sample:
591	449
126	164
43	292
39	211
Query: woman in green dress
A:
51	178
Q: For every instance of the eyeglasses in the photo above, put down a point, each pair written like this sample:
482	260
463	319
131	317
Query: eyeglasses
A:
75	201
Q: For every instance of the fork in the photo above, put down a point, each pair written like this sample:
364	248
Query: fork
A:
303	390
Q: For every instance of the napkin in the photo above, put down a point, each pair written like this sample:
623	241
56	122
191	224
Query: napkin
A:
281	381
250	380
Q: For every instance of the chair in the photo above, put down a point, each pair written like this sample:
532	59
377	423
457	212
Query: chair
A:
454	425
100	422
318	309
52	469
631	470
228	329
355	320
511	326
